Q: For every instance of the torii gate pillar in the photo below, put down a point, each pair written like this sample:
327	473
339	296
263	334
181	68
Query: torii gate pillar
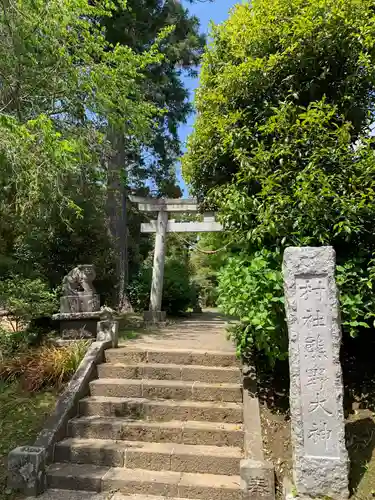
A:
155	314
163	207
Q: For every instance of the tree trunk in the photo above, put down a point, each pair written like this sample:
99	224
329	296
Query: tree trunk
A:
117	218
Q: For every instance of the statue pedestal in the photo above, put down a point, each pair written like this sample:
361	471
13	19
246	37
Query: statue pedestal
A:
78	325
82	302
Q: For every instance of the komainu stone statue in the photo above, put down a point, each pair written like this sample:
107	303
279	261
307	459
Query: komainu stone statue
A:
79	279
78	291
79	304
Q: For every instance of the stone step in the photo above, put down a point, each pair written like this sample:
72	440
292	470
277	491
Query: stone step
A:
52	494
141	408
89	495
166	389
120	496
136	355
139	481
159	371
202	433
151	456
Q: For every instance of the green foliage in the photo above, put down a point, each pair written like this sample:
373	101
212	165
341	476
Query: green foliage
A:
178	291
251	289
91	98
22	416
57	69
282	144
61	83
27	188
206	259
137	26
139	288
356	279
25	299
206	284
270	52
12	342
312	186
63	53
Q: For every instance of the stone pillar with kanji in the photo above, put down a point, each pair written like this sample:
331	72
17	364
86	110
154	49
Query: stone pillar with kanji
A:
320	459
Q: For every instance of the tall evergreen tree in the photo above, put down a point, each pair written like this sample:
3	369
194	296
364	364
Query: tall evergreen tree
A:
138	26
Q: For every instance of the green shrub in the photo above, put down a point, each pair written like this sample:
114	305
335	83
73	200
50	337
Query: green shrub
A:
251	288
13	341
355	279
207	288
178	291
25	299
140	287
282	148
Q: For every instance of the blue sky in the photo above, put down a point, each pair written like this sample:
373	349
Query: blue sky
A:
217	12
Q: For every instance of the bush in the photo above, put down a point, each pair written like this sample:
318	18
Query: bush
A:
355	278
178	291
46	366
282	147
251	288
18	341
206	286
25	299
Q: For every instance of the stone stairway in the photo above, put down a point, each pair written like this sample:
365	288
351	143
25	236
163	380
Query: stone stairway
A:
160	422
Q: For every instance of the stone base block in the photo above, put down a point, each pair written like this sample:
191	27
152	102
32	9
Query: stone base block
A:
79	303
59	342
257	480
27	470
154	317
79	328
107	331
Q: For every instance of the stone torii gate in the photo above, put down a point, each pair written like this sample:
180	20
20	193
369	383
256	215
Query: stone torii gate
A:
162	225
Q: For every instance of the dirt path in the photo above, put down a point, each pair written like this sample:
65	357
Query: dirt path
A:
206	331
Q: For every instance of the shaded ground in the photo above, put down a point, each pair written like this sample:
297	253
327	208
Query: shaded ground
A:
359	377
358	364
360	437
21	418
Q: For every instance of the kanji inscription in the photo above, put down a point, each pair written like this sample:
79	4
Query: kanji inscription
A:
259	486
318	403
320	459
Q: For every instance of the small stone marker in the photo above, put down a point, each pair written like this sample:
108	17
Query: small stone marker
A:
107	331
316	390
257	480
26	470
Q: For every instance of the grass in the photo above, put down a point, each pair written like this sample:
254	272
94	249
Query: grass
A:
22	416
132	327
29	384
45	366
